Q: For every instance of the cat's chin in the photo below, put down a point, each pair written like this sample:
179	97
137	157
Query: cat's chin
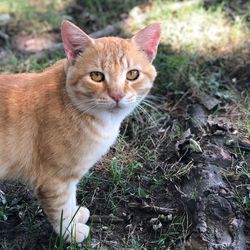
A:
121	108
116	110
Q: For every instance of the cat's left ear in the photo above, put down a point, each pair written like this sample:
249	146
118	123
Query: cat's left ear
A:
74	39
148	39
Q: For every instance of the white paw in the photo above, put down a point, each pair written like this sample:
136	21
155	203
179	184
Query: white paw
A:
74	226
79	233
83	215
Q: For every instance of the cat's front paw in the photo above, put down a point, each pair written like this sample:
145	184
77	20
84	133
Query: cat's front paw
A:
83	215
80	233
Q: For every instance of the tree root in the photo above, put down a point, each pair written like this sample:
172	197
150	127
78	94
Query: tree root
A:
217	218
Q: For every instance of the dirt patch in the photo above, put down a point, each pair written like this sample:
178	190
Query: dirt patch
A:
178	176
32	44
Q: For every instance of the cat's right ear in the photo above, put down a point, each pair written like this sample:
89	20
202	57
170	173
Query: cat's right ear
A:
147	40
74	40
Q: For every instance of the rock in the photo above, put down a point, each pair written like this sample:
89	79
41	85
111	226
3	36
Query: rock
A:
209	102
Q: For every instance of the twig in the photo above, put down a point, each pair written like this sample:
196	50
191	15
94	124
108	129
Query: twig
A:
151	208
107	31
180	100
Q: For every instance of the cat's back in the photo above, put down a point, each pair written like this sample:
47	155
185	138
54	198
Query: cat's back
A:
24	101
14	91
24	91
15	123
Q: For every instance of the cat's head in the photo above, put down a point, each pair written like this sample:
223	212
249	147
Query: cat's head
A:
109	74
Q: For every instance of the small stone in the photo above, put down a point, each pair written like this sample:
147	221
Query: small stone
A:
157	226
128	226
202	227
104	228
234	80
153	220
170	217
163	217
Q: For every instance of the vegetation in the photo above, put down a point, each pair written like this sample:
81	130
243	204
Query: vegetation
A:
204	54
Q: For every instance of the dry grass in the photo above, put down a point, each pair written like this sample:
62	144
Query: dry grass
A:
198	53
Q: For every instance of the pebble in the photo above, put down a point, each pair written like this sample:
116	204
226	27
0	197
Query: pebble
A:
157	226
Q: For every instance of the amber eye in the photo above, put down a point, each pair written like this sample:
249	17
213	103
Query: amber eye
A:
132	75
97	76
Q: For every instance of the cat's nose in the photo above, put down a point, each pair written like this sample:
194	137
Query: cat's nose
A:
117	96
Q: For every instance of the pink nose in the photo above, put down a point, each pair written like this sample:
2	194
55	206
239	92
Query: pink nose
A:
117	96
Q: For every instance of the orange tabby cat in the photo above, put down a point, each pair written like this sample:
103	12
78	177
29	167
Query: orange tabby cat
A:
55	125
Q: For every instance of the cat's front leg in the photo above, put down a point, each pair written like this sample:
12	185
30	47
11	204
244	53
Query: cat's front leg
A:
59	201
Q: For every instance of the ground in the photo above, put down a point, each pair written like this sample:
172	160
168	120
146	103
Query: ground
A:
181	166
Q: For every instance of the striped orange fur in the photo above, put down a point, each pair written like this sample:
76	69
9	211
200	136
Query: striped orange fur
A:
55	125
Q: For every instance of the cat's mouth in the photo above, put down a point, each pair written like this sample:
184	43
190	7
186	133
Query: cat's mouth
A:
117	107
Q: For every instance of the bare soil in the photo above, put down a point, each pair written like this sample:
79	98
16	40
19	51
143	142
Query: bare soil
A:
190	182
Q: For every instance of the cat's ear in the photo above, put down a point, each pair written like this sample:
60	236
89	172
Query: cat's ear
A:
74	40
148	39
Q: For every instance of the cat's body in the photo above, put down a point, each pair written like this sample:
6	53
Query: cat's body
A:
57	124
43	133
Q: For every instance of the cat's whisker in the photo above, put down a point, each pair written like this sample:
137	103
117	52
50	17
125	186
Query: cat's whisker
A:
102	103
89	108
144	102
139	99
131	101
153	97
150	101
86	106
144	111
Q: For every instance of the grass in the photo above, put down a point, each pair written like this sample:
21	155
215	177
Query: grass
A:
190	28
196	55
104	10
38	17
245	95
241	175
19	64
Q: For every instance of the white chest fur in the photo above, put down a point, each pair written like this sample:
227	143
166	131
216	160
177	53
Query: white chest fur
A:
99	139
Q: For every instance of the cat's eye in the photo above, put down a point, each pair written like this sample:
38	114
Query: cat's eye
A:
132	75
97	76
